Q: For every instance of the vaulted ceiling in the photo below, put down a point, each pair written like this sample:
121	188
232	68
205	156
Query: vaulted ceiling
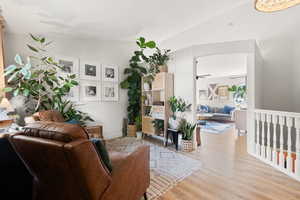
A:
110	19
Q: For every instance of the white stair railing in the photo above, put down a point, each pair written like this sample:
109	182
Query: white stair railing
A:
277	140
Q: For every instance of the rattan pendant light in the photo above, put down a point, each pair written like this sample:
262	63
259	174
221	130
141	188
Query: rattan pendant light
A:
274	5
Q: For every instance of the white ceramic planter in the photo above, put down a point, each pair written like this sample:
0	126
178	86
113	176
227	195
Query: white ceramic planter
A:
174	123
146	86
139	135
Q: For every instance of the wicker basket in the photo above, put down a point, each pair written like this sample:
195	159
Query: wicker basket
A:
187	145
131	130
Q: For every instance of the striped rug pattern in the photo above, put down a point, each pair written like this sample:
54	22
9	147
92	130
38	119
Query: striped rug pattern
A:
167	166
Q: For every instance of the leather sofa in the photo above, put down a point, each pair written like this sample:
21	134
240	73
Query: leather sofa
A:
15	179
66	166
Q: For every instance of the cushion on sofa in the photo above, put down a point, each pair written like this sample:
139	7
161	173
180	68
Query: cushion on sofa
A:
102	152
228	109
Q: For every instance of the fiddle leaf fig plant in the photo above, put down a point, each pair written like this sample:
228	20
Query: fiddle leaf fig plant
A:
134	74
37	78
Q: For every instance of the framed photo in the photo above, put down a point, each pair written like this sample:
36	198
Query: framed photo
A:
110	73
69	65
73	94
90	91
90	70
110	91
223	92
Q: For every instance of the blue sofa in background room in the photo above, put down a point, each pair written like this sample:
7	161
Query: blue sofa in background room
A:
217	113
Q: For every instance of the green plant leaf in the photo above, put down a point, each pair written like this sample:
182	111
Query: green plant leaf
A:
43	40
151	44
8	89
10	69
26	92
12	76
18	59
16	92
34	37
32	48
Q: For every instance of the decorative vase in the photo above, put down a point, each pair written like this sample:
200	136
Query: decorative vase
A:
163	68
146	86
139	135
174	123
131	130
187	145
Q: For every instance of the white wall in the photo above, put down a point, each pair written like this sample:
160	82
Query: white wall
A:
183	64
110	114
203	84
278	40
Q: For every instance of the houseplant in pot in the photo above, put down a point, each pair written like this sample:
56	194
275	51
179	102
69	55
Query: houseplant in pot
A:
178	107
138	123
239	94
159	126
132	82
159	59
37	80
187	129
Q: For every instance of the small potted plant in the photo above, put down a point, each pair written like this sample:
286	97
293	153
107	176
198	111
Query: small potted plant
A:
178	107
159	59
187	130
159	126
138	123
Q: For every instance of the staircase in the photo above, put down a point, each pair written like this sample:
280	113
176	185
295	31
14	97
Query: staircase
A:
277	140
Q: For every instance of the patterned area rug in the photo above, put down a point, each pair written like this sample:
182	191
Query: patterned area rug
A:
167	167
216	127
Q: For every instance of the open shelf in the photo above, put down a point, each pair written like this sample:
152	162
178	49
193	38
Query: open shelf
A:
161	91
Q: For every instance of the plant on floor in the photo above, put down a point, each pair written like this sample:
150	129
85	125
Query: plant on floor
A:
37	79
132	82
158	125
187	130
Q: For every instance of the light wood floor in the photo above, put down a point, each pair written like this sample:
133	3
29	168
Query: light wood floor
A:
229	173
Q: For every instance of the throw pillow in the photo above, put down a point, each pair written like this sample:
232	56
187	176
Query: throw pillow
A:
102	152
204	108
228	109
73	121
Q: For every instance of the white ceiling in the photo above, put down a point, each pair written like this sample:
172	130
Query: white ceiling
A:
110	19
222	65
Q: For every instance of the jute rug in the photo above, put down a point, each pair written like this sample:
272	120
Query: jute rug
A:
167	167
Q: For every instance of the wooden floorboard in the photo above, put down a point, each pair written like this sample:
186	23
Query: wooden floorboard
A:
229	173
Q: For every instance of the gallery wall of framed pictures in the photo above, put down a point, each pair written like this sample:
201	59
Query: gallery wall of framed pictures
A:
97	82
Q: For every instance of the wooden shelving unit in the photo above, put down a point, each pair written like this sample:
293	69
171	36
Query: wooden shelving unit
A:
155	105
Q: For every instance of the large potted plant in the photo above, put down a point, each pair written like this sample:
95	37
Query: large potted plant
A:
37	80
178	107
132	82
187	129
159	59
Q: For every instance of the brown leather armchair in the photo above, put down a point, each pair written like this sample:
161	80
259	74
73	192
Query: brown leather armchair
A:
65	165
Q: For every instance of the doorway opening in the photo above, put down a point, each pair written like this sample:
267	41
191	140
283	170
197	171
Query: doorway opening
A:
221	93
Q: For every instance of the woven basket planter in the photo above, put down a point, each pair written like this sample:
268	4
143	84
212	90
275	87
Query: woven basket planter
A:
131	130
187	145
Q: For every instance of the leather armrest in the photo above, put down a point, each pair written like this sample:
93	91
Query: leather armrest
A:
130	174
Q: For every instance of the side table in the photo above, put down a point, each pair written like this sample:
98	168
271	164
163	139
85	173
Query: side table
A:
174	134
95	131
